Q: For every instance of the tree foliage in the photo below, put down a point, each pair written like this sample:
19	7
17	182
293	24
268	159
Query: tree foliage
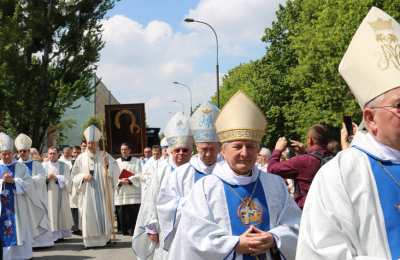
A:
296	82
48	55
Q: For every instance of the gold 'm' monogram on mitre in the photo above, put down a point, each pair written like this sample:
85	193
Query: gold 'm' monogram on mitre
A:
389	43
381	24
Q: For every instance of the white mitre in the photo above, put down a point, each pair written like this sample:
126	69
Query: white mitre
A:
92	134
23	142
164	142
6	142
202	123
371	64
178	131
240	119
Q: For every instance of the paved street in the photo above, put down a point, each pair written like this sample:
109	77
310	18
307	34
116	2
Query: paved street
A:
72	249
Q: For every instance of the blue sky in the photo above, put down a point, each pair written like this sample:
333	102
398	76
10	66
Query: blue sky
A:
148	46
146	11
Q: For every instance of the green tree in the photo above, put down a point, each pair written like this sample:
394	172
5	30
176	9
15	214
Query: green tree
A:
239	78
297	83
48	55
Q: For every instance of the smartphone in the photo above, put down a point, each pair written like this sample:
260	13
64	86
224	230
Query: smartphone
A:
349	124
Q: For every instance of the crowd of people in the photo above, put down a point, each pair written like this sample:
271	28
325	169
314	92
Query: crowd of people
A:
210	191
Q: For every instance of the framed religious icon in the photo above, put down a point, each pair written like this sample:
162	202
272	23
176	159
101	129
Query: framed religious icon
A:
125	123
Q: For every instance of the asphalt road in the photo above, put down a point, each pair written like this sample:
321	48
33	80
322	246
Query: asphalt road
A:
72	249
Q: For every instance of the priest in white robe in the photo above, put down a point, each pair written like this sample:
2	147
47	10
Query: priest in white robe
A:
58	188
128	190
145	242
174	190
164	149
352	210
238	211
95	174
20	218
23	143
150	168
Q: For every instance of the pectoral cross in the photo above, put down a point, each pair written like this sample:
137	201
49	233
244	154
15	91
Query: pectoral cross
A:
397	206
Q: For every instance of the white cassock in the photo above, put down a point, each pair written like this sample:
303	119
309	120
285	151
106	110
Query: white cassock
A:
58	199
173	192
30	219
95	198
147	221
148	170
129	194
352	210
210	219
38	174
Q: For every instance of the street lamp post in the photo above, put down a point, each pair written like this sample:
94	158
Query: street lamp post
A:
190	93
191	20
179	102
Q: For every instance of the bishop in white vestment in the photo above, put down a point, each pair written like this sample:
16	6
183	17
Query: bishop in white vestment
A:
20	217
95	174
352	210
174	190
23	144
145	242
238	211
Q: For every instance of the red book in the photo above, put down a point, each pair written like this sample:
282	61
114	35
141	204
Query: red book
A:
126	174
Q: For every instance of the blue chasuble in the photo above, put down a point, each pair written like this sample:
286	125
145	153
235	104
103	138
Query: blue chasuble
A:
245	210
389	197
8	226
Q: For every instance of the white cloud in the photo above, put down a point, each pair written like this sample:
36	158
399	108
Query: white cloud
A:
140	62
238	22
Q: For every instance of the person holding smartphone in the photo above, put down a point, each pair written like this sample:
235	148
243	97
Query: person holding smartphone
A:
304	165
353	207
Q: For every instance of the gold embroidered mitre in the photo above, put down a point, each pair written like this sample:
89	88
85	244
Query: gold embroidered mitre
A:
371	64
240	119
23	142
6	142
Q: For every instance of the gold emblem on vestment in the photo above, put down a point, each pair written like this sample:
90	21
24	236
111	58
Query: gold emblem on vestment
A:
250	212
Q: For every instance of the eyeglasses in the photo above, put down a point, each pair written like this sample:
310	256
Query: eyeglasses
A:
23	151
395	106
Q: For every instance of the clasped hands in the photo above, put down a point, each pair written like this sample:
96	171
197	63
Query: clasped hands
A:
8	178
51	176
255	242
87	177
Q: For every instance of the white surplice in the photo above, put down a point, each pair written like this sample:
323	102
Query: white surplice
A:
204	231
173	192
342	217
45	237
147	221
58	199
126	194
95	198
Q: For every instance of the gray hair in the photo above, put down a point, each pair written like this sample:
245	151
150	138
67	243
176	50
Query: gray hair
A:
265	152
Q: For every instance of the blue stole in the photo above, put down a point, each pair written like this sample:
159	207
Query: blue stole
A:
198	175
241	215
30	167
8	229
389	197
